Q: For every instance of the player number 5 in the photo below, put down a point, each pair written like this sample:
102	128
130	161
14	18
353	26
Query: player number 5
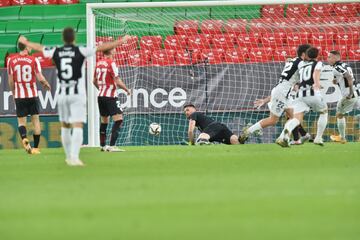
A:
66	69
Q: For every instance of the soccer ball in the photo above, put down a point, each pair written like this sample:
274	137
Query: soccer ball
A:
154	129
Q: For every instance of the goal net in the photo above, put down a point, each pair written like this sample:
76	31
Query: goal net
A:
219	56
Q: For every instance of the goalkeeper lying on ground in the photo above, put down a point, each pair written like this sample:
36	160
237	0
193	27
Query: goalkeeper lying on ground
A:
211	131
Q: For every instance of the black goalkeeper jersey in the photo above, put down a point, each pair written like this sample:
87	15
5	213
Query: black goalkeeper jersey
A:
202	121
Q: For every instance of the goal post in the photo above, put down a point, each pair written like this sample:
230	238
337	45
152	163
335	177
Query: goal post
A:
202	68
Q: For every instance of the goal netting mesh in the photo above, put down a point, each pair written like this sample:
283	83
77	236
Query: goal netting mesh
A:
221	59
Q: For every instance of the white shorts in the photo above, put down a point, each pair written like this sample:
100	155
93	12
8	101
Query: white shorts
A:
278	102
305	104
72	109
347	105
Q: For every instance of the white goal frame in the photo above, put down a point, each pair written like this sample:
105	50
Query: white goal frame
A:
93	113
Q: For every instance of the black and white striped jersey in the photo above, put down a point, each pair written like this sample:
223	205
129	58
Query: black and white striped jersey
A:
306	70
340	69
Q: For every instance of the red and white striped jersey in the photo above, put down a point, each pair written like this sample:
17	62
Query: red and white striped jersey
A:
105	73
23	69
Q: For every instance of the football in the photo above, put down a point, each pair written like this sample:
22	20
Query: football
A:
154	129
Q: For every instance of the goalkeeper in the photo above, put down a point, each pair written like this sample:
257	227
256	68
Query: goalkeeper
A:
211	131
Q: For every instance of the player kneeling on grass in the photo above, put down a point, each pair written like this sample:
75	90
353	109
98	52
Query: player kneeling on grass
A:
211	131
344	78
23	70
106	80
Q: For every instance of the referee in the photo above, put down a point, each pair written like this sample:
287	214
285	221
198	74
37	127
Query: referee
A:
211	131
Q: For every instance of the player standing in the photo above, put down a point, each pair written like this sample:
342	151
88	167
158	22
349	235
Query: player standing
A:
69	60
279	100
23	70
106	80
344	78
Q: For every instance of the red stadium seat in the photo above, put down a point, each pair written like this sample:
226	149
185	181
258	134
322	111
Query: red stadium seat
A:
44	62
260	54
212	26
22	2
262	25
273	40
120	58
211	56
175	42
355	24
68	1
322	10
322	39
235	55
235	26
346	9
297	10
273	11
342	49
130	44
45	2
346	38
223	41
151	42
248	40
186	27
182	58
200	41
354	53
138	58
5	3
295	39
283	53
163	57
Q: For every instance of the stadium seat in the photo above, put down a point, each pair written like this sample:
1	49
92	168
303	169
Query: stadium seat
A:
346	9
342	49
9	13
44	62
120	58
355	24
22	2
262	25
295	39
8	40
209	56
321	39
223	41
182	57
283	53
130	45
68	1
212	26
42	26
273	40
186	27
3	54
18	27
163	57
34	37
161	30
81	39
197	13
150	43
5	3
52	39
175	42
346	38
33	12
2	27
260	54
138	58
272	11
354	53
45	2
248	11
235	26
235	55
297	10
248	40
75	10
60	25
200	41
222	12
322	10
136	28
82	25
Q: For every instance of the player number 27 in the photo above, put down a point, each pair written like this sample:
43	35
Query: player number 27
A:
101	75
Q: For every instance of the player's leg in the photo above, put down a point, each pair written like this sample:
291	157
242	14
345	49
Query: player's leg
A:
103	126
22	111
344	106
64	114
319	105
116	114
37	132
203	139
118	119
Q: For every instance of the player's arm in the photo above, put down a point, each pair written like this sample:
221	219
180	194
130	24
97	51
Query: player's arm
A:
36	46
350	81
95	82
40	77
261	102
120	84
316	77
111	45
191	130
11	84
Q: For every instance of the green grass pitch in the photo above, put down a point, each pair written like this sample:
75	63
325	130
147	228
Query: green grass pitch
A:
183	193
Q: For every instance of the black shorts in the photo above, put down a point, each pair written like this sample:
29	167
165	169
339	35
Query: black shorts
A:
109	106
27	106
219	132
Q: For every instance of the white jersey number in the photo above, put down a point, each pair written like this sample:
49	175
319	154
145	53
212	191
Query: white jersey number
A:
305	73
101	75
287	67
66	68
23	73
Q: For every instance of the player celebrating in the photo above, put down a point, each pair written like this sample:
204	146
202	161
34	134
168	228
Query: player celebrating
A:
69	60
106	80
309	96
279	101
23	70
344	78
211	131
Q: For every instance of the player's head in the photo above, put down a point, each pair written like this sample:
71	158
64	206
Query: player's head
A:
109	53
333	57
22	47
68	35
301	50
312	53
189	109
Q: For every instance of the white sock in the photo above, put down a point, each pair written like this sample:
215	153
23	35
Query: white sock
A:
254	127
321	125
76	142
341	123
66	141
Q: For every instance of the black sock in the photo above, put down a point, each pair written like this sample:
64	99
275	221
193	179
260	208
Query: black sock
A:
36	140
302	130
295	133
103	128
22	131
115	132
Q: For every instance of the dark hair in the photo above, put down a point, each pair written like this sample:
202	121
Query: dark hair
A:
302	49
189	105
68	35
21	46
107	52
337	53
312	52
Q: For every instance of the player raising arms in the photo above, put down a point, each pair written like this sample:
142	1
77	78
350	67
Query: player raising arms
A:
344	78
69	60
106	80
23	70
279	101
211	131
